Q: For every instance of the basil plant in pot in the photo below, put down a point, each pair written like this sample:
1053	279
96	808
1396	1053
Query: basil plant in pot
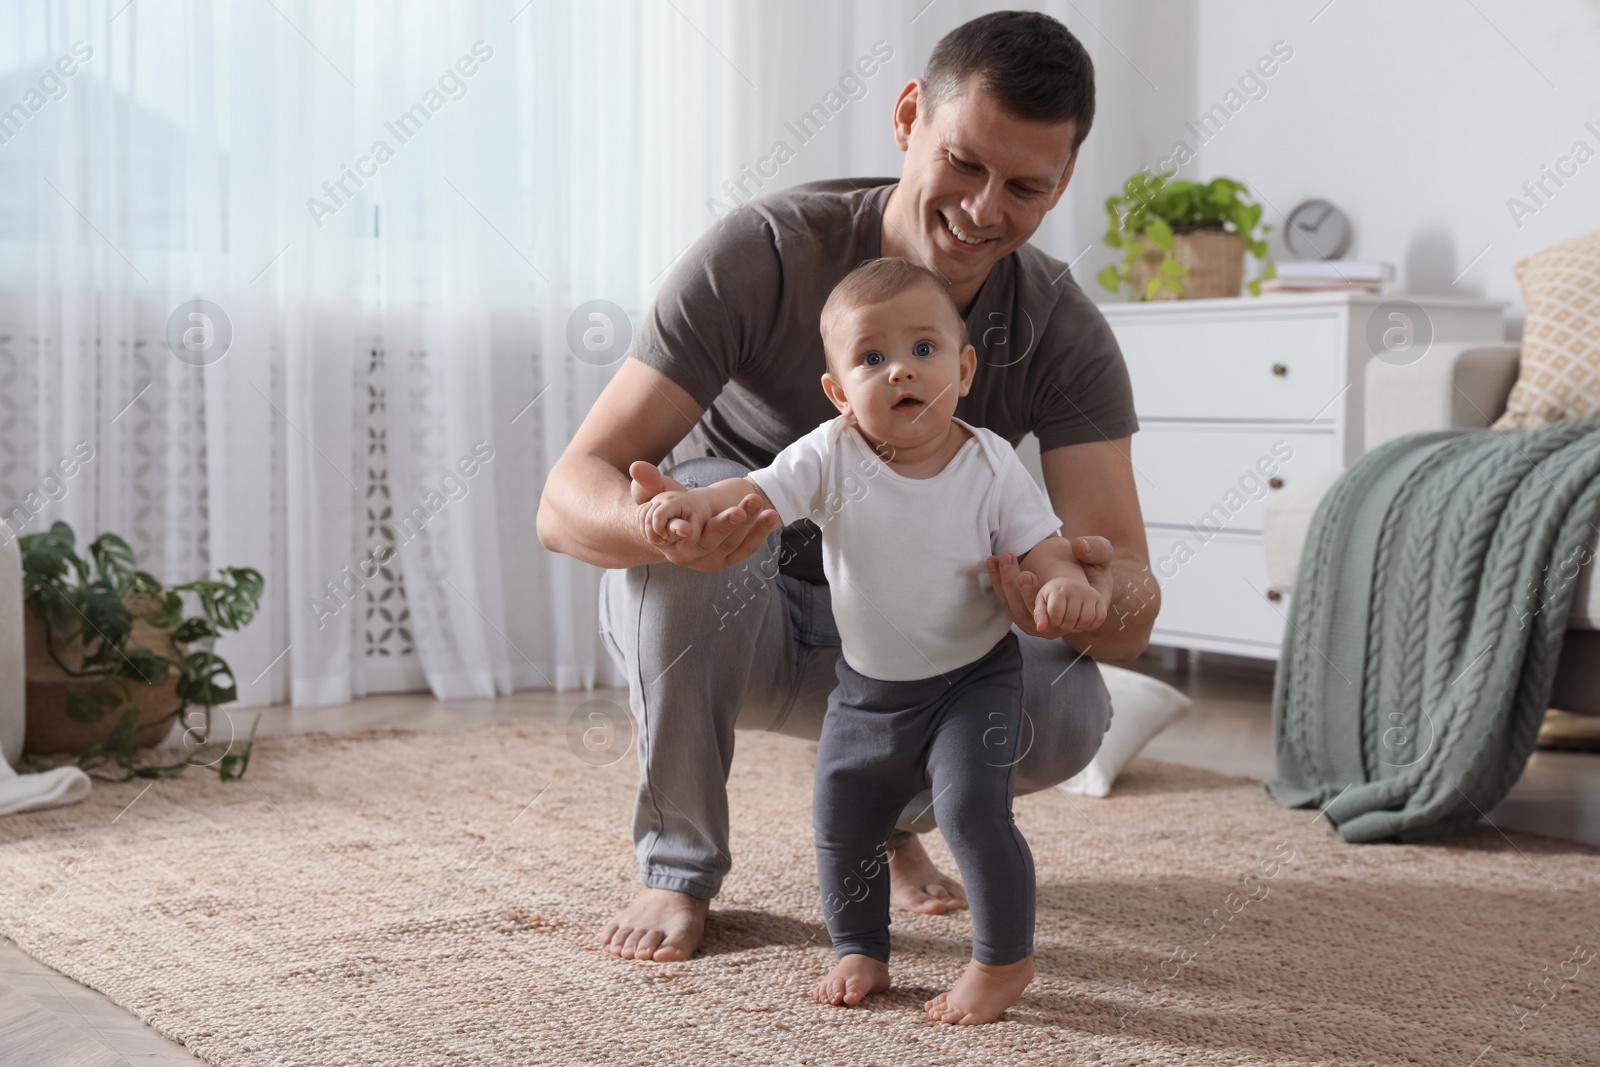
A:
113	661
1183	239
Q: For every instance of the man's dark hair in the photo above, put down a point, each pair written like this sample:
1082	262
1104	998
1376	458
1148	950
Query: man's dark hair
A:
1032	63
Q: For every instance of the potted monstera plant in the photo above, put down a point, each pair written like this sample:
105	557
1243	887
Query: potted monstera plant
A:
1183	239
114	658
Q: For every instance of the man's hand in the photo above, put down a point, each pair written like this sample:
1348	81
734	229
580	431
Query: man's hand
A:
1018	589
724	538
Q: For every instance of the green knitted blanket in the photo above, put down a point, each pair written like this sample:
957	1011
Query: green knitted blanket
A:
1426	621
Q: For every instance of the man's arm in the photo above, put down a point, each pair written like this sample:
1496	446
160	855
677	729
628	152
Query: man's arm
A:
1091	488
588	509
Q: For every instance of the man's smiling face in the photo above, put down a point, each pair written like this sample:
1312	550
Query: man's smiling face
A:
976	183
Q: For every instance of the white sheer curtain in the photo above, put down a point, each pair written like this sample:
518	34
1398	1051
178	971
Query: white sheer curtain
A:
399	315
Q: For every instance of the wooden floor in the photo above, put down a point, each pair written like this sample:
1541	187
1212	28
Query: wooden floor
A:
48	1020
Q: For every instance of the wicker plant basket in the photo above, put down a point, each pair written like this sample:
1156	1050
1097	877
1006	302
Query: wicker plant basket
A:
49	730
1214	259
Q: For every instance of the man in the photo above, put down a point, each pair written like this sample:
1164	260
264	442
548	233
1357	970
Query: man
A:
737	629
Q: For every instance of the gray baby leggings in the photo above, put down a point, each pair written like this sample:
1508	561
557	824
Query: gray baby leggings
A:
958	734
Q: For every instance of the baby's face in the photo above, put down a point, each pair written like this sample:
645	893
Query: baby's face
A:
898	367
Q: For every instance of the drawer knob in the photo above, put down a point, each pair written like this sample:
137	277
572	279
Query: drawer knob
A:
1276	483
1274	595
1280	370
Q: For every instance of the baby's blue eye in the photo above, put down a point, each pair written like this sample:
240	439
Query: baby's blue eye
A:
923	348
872	359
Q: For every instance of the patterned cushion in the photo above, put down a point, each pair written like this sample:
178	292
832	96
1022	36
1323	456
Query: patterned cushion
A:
1560	373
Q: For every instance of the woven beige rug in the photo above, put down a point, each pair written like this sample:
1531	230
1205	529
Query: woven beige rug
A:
402	898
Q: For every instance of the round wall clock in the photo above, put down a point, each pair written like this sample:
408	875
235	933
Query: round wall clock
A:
1317	230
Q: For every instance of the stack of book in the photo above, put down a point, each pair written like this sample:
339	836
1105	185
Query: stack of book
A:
1336	275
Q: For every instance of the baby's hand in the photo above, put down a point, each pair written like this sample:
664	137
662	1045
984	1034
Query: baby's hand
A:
1069	605
672	516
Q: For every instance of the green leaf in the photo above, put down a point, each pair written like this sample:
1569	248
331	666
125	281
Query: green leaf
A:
199	681
113	559
1113	213
239	760
1171	268
248	580
105	617
142	582
168	614
193	630
60	531
1160	234
145	666
1152	289
1255	287
1109	278
1136	184
89	703
48	557
60	614
232	603
1181	206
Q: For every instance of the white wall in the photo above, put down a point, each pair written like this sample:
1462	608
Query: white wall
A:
1419	119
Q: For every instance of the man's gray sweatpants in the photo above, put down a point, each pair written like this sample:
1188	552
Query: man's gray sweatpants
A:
746	647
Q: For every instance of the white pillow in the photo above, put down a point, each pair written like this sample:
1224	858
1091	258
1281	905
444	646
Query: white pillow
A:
1141	707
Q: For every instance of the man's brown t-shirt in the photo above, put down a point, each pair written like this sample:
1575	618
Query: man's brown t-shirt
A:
738	325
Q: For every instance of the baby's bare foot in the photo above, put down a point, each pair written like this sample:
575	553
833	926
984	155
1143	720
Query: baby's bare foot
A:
915	884
854	978
661	925
982	993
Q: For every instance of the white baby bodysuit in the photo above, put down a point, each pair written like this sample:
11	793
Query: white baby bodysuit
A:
906	557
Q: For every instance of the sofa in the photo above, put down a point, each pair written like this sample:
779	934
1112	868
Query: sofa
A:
1453	386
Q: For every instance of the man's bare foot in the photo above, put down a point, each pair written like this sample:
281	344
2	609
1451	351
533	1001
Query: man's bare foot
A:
854	978
982	993
661	924
915	884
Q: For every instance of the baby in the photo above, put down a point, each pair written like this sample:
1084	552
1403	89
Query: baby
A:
930	676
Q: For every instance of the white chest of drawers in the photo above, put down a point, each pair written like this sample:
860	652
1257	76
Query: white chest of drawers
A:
1235	399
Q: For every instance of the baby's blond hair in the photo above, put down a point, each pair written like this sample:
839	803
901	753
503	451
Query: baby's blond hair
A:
877	280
